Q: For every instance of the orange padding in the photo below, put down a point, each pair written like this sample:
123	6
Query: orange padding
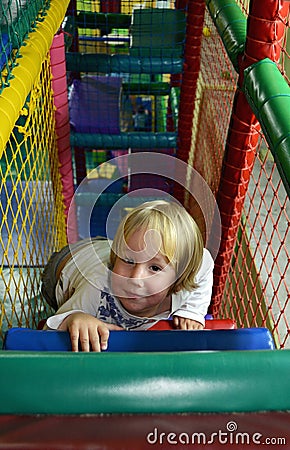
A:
213	324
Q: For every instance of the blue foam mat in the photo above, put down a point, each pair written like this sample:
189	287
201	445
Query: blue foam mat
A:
25	339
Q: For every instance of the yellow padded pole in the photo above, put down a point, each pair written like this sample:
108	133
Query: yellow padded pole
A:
29	64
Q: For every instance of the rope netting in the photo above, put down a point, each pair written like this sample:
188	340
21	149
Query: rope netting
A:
17	19
31	211
236	159
32	220
257	287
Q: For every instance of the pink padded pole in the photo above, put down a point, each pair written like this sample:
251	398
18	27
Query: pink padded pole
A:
62	127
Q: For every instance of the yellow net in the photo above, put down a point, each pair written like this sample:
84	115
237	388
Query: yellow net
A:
32	220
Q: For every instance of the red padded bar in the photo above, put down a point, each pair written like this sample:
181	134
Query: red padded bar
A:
140	432
216	324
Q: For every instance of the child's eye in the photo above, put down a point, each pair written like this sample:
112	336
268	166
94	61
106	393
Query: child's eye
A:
155	268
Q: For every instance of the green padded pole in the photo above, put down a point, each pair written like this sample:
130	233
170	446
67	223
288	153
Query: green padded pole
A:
153	88
144	140
231	24
91	383
269	97
103	63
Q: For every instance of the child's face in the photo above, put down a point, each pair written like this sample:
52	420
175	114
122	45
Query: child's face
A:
142	276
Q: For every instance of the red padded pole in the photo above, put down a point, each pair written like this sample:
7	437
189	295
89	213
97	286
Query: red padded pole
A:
192	51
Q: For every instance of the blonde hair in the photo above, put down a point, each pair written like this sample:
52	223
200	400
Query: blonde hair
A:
181	239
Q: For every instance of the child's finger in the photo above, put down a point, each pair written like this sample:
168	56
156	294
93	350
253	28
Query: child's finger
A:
176	322
197	326
74	337
104	336
95	340
84	340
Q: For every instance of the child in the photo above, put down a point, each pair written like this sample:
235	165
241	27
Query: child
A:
156	267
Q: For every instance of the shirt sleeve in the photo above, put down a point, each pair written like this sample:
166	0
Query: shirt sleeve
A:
54	322
86	299
194	304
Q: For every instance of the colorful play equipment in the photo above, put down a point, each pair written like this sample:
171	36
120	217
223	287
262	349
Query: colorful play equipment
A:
206	82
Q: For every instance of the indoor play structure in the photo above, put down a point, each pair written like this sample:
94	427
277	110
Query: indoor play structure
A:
87	88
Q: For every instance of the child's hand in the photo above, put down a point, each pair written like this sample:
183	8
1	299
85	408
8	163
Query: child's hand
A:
92	333
186	324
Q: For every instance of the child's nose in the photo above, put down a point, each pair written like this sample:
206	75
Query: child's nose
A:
138	274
